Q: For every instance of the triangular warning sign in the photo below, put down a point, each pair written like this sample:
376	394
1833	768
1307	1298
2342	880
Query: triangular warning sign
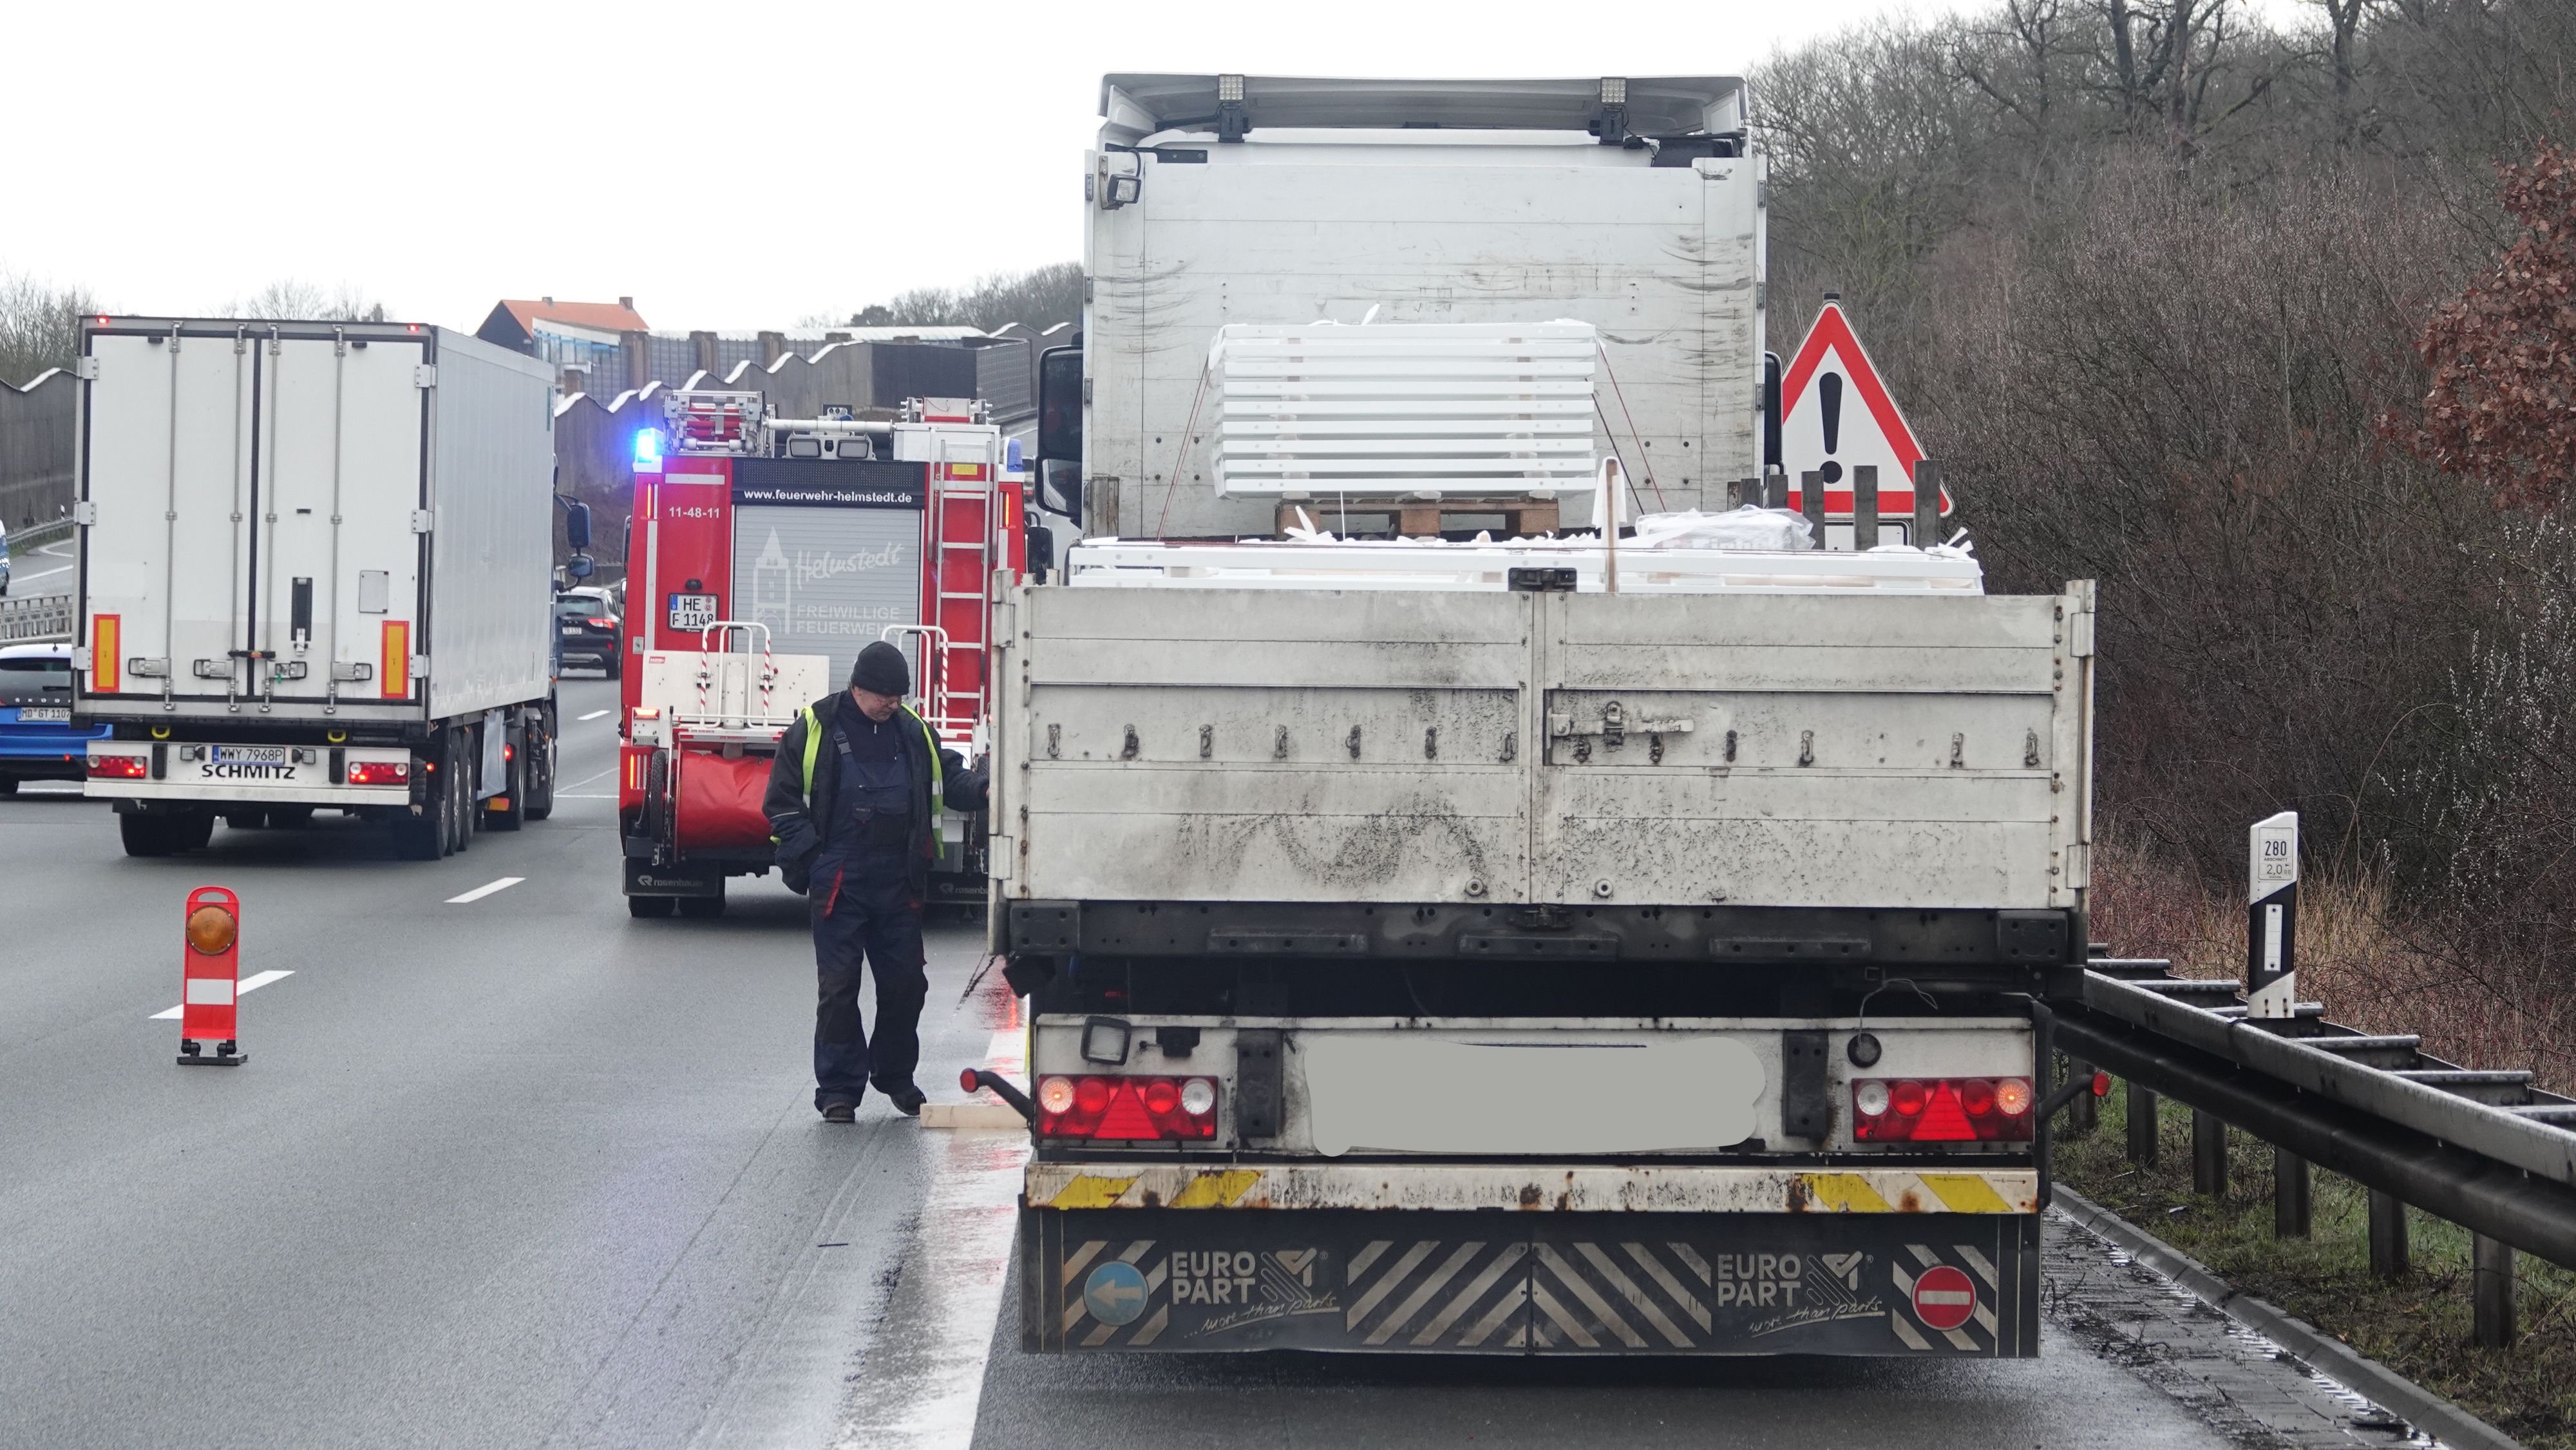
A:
1836	415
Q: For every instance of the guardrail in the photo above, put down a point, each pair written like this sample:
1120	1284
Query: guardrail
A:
43	617
2487	1150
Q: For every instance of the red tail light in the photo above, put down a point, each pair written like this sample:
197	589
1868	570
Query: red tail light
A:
1941	1109
119	767
596	622
379	772
1131	1109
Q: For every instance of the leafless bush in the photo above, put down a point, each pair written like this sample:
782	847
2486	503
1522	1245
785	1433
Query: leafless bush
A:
39	326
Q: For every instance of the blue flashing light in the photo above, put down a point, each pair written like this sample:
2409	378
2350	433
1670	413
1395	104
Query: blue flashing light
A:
648	450
1011	454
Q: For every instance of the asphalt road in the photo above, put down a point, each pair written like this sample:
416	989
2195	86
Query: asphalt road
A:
522	1171
40	569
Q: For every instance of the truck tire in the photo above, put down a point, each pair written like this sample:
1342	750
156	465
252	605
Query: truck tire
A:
460	792
8	785
612	666
194	831
147	835
540	753
644	908
425	837
289	818
704	908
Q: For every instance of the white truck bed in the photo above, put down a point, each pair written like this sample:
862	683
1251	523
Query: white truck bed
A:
1818	744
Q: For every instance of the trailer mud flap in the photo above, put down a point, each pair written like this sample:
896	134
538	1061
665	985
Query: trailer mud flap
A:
1489	1283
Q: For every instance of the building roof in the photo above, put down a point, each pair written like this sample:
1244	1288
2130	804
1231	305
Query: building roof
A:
519	316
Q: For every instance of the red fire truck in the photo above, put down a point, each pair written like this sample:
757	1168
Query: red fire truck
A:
764	553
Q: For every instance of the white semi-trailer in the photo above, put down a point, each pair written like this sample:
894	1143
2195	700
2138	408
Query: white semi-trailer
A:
315	571
1602	943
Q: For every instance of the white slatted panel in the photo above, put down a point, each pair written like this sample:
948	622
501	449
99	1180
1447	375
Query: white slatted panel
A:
1465	409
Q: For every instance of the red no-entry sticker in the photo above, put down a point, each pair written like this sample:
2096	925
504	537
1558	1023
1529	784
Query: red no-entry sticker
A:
1944	1298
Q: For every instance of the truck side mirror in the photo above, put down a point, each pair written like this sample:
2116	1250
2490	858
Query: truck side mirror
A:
579	566
1060	403
1041	553
577	527
1060	488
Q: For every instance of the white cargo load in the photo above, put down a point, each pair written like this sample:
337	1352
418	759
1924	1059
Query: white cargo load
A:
309	520
1422	410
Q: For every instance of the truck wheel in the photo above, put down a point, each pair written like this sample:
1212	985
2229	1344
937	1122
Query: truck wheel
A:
460	793
612	666
8	785
424	837
645	907
146	835
704	908
289	818
540	753
194	831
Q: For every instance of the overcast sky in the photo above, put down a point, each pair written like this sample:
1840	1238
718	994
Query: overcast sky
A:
730	164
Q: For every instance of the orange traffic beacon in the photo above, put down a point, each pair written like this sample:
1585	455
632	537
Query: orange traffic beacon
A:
210	973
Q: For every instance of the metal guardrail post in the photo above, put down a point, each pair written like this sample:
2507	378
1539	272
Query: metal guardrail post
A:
2491	1291
2208	1154
2290	1205
2388	1258
2142	1126
1811	503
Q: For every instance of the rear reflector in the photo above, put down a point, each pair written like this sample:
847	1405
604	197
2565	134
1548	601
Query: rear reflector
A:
118	767
1129	1109
1941	1109
379	772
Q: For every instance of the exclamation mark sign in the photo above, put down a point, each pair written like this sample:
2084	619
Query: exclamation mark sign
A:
1829	397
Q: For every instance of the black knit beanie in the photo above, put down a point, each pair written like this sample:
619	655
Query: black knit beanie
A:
881	669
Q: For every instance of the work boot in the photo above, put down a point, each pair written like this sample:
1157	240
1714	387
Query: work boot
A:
906	1098
840	1112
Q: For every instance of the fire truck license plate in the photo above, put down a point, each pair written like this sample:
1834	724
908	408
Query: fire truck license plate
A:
249	754
692	611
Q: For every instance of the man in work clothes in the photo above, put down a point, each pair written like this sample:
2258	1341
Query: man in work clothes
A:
854	802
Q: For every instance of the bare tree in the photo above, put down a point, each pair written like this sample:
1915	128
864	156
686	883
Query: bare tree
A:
1040	297
292	299
39	326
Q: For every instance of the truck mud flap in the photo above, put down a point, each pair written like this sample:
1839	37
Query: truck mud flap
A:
692	879
1177	1280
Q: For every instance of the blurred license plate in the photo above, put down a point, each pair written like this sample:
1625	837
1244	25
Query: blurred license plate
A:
571	629
250	754
43	712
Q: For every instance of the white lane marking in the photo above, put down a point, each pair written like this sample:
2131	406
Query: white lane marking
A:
923	1387
587	779
593	715
581	795
479	892
249	984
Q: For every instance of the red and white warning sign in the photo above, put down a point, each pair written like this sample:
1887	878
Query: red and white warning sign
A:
1836	415
1944	1298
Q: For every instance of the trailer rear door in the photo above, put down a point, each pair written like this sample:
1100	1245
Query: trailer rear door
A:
254	492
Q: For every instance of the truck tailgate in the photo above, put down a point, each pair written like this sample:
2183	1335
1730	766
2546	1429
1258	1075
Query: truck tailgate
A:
1409	747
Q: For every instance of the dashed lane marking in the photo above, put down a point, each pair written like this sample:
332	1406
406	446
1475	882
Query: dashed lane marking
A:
486	889
593	715
249	984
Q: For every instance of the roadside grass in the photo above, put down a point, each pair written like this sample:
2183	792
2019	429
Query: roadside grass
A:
2419	1326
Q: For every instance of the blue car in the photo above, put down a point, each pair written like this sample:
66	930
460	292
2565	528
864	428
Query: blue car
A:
37	738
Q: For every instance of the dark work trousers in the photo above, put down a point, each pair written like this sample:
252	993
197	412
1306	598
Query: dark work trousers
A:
863	908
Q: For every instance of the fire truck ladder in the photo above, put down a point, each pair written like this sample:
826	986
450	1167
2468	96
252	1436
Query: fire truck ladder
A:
964	522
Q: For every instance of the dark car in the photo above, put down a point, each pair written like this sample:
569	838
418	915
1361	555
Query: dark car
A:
37	738
587	626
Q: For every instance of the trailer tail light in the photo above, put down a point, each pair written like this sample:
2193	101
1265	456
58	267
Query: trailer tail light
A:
1941	1109
1128	1109
118	767
379	772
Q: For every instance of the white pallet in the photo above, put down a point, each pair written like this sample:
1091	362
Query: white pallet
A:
1408	409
